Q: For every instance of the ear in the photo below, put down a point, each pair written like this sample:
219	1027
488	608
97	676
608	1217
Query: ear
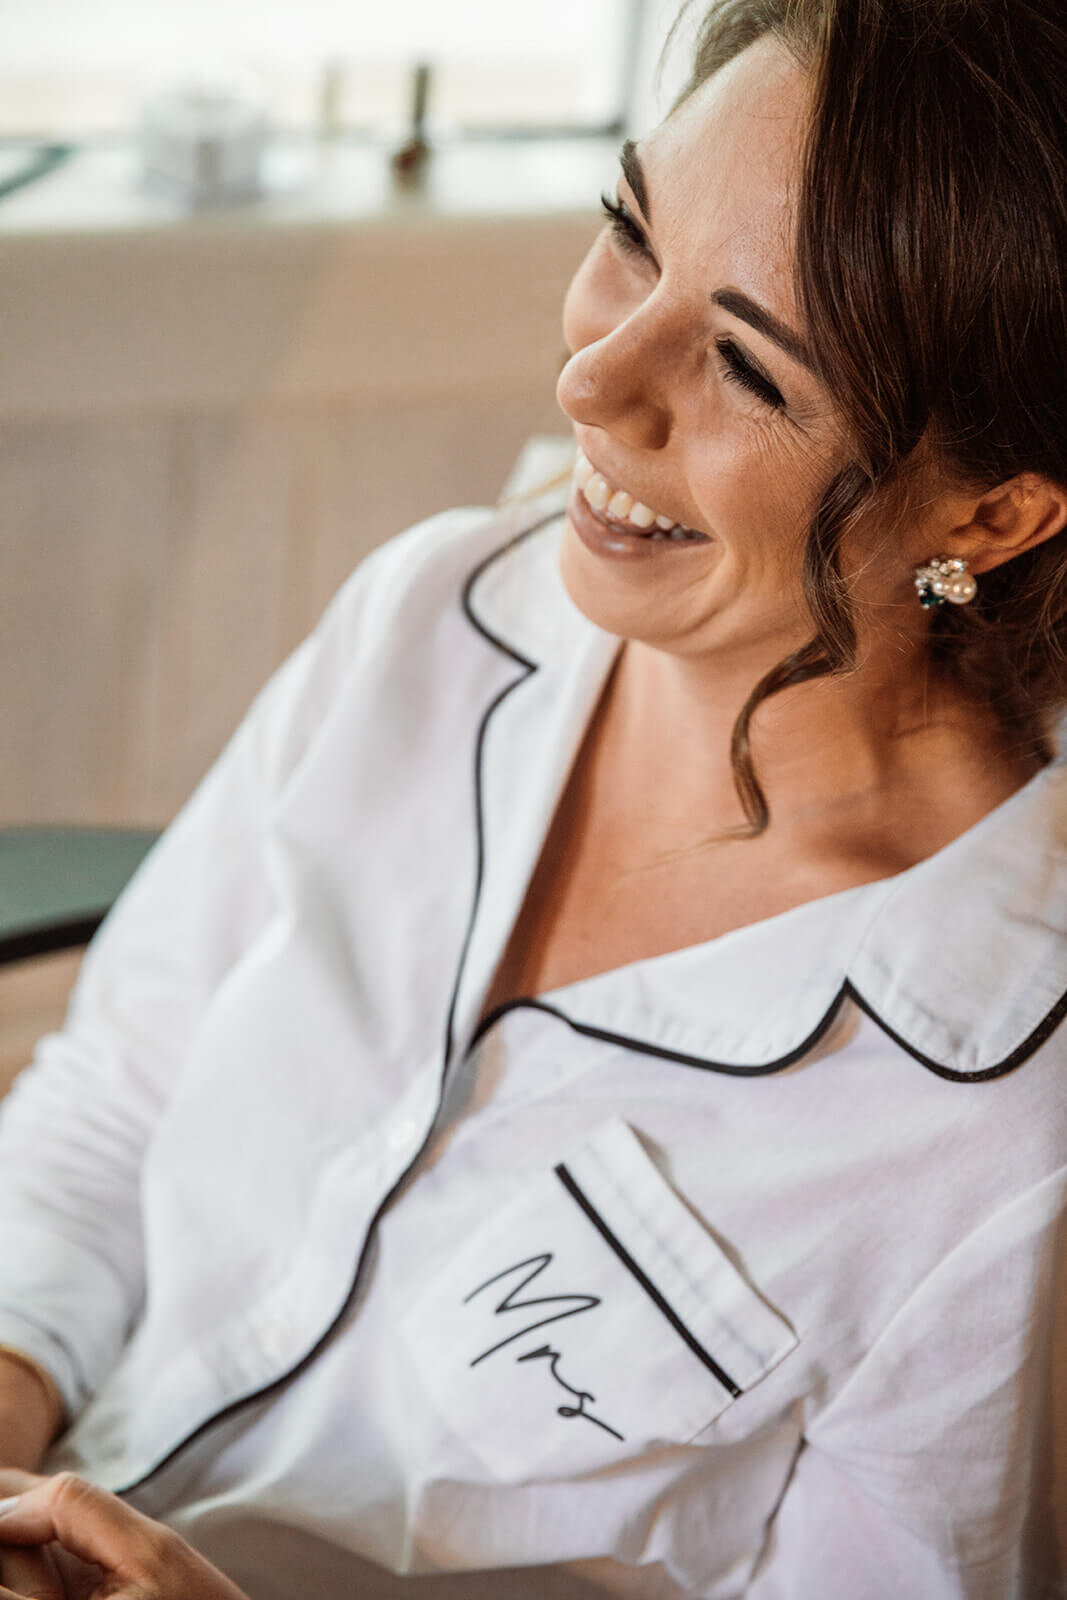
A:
1016	516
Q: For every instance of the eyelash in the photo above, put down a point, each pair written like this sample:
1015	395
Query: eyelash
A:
736	368
624	226
739	370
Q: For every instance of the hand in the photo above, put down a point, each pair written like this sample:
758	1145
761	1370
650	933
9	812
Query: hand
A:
27	1572
44	1573
118	1554
31	1573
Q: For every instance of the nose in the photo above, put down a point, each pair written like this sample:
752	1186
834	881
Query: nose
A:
613	383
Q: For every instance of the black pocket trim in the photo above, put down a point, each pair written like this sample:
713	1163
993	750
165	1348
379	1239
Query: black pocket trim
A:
616	1244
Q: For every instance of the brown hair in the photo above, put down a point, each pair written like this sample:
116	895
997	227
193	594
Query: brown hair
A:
931	272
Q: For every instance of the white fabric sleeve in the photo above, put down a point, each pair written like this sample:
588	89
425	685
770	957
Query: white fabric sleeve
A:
940	1469
75	1126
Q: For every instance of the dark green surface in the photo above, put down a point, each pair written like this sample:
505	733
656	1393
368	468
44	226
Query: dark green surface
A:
40	161
51	876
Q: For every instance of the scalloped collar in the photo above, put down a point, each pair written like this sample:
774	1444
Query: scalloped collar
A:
961	959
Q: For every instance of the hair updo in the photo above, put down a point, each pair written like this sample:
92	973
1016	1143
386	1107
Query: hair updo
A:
931	273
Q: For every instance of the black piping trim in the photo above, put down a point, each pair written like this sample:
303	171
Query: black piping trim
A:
1034	1040
576	1193
528	669
847	991
1022	1052
51	936
643	1047
279	1383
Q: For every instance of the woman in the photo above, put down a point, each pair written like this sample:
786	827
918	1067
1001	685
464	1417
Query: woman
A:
643	1174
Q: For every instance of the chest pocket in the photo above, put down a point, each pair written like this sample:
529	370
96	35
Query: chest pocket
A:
591	1319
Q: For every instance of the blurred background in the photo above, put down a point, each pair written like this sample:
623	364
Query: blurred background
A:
277	278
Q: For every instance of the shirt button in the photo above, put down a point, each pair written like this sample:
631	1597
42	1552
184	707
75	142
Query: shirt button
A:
403	1135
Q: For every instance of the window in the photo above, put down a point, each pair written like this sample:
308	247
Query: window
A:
72	70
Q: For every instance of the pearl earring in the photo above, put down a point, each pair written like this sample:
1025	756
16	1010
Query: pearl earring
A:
944	578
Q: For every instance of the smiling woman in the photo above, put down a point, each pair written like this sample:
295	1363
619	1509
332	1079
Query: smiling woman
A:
641	1171
680	388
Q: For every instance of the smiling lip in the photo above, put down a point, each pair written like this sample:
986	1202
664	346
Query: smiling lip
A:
606	538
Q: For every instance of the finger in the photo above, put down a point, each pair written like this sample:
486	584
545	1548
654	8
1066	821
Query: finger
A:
31	1573
110	1592
92	1525
80	1581
14	1481
99	1529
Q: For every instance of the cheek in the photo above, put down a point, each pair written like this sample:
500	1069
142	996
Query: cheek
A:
765	488
752	501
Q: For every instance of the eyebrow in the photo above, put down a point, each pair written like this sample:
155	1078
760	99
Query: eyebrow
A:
765	322
738	304
633	172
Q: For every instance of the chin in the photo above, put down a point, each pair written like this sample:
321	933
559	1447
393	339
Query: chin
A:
609	599
634	596
686	604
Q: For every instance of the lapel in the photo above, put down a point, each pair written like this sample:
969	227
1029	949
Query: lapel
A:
529	735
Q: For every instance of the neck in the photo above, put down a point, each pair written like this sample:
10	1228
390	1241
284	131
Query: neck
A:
888	752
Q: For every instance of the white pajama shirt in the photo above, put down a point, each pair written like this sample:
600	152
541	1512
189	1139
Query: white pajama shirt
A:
739	1271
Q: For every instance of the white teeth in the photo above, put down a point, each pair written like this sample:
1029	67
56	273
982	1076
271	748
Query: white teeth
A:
619	504
597	491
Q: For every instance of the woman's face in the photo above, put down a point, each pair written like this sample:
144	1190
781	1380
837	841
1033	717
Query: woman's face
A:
688	384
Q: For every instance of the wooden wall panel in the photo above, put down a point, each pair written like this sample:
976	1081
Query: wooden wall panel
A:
156	570
80	508
164	548
382	466
219	624
214	316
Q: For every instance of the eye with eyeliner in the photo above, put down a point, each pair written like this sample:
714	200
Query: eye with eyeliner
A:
625	227
740	369
737	368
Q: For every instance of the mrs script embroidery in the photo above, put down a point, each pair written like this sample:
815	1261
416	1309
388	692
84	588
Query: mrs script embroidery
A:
574	1305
